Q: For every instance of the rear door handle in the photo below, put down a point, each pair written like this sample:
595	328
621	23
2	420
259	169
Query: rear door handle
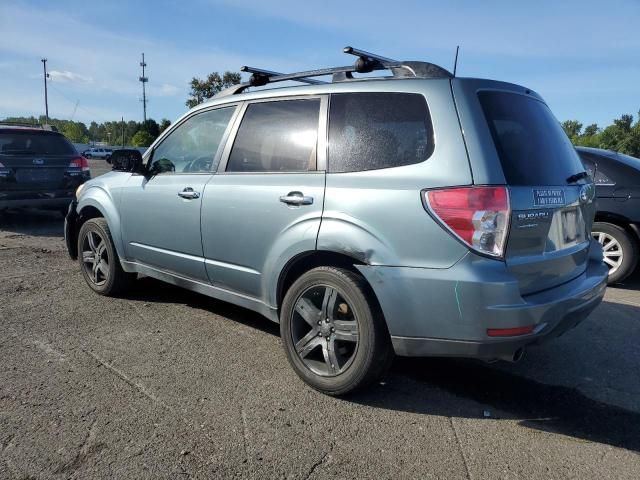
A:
189	193
296	198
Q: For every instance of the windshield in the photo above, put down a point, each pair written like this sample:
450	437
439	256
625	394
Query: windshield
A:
533	148
34	143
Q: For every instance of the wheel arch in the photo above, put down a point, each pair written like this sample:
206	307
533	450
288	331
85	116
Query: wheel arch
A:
94	203
305	261
621	221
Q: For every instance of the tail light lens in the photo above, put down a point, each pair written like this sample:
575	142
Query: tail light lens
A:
80	162
479	216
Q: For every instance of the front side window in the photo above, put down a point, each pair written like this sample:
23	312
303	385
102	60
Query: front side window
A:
192	146
279	136
368	131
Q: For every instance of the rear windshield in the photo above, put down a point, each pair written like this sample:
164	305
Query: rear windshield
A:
34	143
533	148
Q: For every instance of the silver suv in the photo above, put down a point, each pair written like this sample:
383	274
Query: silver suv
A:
417	213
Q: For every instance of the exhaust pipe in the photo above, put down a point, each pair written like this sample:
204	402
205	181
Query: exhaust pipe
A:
516	357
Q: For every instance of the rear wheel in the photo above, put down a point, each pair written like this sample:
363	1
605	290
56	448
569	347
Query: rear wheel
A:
333	332
620	250
99	260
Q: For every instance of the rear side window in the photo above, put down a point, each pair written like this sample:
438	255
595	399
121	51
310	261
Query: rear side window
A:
279	136
533	148
31	143
368	131
594	168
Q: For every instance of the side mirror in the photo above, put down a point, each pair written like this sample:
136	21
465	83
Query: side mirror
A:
127	160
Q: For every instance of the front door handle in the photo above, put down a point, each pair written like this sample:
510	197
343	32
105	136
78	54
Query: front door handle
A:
296	198
189	193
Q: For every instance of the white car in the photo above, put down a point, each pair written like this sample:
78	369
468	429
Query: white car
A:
98	153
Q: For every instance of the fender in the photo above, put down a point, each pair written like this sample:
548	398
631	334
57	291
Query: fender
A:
102	199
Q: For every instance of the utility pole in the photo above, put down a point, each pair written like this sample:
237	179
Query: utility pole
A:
46	101
144	80
122	132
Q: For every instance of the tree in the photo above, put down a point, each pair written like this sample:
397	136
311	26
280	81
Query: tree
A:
142	138
207	88
164	124
151	126
572	128
76	132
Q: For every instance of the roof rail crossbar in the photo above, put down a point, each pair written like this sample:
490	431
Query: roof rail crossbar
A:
367	62
259	72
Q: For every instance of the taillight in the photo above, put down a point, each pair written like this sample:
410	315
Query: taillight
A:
80	162
479	216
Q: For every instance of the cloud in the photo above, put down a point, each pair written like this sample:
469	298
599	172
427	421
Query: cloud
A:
167	90
67	76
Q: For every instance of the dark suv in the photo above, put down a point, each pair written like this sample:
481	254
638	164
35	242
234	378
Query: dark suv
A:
38	168
617	225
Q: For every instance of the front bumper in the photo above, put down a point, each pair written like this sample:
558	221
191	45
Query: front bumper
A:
446	312
70	230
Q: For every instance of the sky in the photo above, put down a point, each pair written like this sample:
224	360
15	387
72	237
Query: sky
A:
582	56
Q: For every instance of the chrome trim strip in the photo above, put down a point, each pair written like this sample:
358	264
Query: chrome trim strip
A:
186	256
231	266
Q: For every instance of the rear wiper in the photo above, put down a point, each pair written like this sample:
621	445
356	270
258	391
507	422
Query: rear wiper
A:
577	176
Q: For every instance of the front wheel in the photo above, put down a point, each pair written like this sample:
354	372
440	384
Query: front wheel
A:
99	260
619	249
333	332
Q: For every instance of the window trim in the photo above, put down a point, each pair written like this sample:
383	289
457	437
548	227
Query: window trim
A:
322	145
223	141
595	159
432	140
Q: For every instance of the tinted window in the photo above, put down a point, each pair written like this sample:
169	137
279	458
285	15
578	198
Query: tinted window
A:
595	169
33	143
192	146
277	137
533	148
368	131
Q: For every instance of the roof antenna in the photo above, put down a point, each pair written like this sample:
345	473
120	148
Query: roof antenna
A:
455	63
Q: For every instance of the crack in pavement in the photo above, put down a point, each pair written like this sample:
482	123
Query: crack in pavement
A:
123	376
320	462
87	449
464	456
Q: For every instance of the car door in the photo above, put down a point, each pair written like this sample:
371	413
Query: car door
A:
160	212
265	204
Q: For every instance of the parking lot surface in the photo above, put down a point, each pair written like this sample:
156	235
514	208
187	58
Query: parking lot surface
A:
165	383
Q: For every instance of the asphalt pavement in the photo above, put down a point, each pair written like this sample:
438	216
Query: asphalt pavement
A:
166	383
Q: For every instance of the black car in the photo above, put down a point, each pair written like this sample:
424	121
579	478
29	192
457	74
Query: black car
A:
38	168
617	226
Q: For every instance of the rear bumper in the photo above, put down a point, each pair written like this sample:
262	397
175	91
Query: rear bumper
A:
36	198
52	203
446	312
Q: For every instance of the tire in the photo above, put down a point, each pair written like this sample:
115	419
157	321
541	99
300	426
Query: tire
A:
95	247
620	250
350	348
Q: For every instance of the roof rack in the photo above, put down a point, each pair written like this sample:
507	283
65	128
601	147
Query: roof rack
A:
366	62
28	125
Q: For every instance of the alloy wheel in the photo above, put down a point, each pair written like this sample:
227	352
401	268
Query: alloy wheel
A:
611	249
95	258
324	329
